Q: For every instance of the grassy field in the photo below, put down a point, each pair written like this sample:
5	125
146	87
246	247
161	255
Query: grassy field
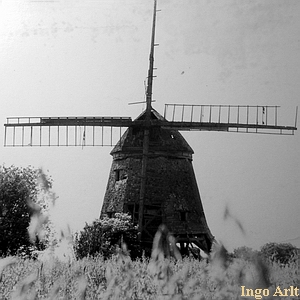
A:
155	278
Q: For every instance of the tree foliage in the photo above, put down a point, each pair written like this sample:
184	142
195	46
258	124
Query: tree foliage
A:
18	187
105	235
283	253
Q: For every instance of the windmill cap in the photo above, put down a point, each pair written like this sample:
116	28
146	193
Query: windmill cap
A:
162	141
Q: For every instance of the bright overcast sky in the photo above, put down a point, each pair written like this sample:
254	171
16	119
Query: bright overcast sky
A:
90	58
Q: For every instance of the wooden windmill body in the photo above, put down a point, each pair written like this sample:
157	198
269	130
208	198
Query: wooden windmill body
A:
171	195
152	176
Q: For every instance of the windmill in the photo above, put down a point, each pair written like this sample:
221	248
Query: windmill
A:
152	175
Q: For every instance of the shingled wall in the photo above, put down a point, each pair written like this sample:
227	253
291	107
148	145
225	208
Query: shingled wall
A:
171	185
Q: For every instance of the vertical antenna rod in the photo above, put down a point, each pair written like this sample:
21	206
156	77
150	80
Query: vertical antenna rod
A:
147	129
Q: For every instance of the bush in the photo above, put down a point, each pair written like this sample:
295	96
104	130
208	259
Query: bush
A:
282	253
105	235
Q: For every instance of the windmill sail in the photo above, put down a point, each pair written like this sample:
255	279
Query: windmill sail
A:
106	131
231	118
64	131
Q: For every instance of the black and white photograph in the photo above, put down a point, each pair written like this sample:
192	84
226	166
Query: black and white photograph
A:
149	149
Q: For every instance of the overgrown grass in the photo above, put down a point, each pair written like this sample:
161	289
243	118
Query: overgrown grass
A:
155	278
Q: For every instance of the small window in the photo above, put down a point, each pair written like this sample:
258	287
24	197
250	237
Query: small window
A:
183	216
120	174
117	175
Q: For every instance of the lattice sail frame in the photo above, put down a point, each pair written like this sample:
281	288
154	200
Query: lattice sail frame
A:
64	131
229	118
106	131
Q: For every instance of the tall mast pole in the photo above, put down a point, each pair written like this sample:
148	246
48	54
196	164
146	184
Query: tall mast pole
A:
151	65
147	128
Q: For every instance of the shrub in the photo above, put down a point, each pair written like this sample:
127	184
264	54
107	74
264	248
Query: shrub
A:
283	253
105	235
